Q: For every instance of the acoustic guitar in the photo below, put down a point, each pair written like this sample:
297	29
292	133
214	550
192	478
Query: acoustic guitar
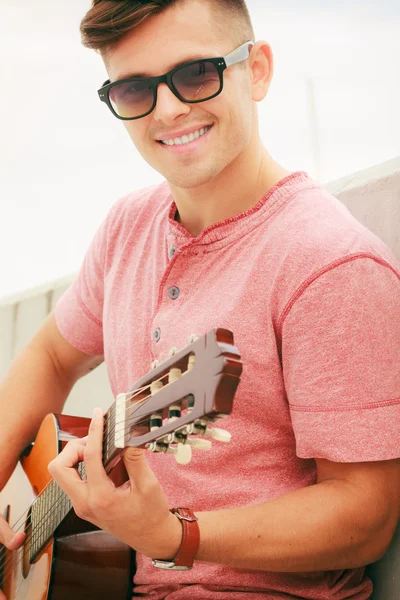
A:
171	409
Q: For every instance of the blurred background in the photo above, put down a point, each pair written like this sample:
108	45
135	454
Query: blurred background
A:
333	109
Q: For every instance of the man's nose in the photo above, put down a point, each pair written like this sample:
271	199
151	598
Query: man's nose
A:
168	106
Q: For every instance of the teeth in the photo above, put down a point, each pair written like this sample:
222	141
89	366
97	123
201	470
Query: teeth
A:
186	139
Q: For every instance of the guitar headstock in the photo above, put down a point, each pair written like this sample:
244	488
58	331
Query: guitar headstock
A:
177	399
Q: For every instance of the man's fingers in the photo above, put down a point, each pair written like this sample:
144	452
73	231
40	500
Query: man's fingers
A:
16	541
137	467
8	537
63	470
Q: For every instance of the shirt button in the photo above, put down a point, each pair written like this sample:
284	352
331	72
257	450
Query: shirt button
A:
173	293
157	335
172	251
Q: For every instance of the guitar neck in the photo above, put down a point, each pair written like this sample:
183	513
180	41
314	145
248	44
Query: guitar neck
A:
177	399
47	512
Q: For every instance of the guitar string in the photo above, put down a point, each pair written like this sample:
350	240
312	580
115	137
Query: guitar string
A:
41	526
130	395
51	480
131	411
128	413
43	523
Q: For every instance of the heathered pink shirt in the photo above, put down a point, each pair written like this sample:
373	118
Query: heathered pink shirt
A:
313	300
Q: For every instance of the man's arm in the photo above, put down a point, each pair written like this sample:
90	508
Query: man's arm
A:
37	383
346	520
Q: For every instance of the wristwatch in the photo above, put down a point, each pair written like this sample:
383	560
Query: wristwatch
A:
189	547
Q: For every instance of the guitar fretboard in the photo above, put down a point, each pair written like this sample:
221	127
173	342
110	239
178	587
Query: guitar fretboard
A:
47	512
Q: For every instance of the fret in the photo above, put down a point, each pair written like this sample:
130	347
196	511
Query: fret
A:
46	514
40	520
108	445
82	470
32	515
53	500
52	505
60	506
35	523
66	505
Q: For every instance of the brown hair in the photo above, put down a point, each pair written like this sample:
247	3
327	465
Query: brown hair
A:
108	21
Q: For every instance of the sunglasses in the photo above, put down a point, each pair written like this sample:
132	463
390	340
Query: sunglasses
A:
195	81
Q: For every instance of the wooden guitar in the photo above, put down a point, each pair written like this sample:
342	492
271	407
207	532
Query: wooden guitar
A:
168	410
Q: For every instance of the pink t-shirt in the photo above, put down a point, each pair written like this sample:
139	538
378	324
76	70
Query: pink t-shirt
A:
313	300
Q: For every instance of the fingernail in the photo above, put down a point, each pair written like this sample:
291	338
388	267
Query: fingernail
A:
97	413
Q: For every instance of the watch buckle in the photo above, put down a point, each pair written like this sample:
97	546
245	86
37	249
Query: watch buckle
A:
168	565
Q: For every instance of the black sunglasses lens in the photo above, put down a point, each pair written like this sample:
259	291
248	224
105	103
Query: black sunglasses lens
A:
198	81
195	82
131	99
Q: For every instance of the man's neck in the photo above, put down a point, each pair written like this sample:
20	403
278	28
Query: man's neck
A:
237	189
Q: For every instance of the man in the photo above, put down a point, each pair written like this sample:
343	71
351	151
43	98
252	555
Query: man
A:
308	491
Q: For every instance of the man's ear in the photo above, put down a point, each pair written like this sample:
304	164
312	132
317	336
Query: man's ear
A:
262	69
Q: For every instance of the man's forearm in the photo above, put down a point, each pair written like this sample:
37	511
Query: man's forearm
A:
322	527
32	388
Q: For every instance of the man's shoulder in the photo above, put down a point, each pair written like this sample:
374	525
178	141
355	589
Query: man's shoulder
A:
321	228
315	233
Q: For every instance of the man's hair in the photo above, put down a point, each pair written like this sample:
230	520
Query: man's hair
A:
108	21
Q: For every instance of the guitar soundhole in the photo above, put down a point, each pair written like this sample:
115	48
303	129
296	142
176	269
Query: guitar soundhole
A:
26	548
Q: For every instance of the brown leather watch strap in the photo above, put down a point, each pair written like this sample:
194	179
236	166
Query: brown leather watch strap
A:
190	538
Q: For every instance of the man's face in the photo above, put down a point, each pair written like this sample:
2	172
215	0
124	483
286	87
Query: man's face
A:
186	32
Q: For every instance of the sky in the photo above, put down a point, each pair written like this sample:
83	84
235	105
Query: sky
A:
64	160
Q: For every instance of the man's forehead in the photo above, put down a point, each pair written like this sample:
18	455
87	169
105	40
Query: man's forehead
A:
165	41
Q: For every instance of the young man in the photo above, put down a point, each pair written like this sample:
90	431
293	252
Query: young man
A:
308	491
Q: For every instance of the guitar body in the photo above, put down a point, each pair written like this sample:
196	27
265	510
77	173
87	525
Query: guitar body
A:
81	561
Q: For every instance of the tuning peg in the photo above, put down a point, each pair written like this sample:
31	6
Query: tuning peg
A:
191	362
155	387
193	338
172	352
183	454
200	444
174	375
220	435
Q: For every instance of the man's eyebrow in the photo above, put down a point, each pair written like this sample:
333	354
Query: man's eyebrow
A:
174	66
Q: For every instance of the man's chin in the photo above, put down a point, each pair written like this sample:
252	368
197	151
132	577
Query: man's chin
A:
191	178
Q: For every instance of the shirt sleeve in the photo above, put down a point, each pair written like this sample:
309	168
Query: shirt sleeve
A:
341	363
79	312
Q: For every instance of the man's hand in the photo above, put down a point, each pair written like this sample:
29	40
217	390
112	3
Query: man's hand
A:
11	540
137	512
